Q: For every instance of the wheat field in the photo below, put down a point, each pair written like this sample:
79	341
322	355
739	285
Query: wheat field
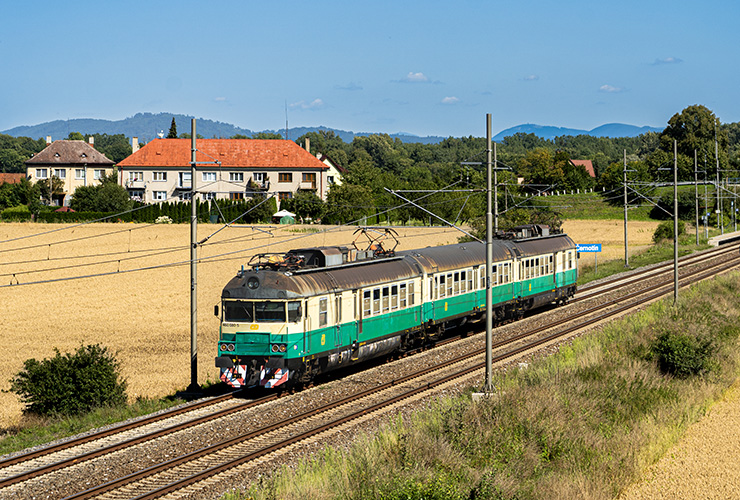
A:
130	290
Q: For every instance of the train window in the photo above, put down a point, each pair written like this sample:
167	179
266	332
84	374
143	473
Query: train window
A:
338	309
463	281
394	297
402	294
442	286
294	311
323	306
482	275
376	301
456	288
505	276
471	279
238	311
366	311
549	265
449	284
494	275
411	293
269	312
386	299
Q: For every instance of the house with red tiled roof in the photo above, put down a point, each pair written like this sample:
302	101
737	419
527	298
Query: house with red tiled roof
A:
587	164
75	163
11	178
226	169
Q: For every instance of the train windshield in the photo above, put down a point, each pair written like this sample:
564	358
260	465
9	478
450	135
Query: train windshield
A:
247	311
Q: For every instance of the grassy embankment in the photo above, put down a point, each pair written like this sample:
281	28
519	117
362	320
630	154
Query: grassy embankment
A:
580	424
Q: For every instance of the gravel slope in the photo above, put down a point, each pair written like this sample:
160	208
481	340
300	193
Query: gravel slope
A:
704	464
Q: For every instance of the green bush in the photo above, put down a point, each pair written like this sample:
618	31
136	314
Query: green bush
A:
20	213
664	231
70	384
682	355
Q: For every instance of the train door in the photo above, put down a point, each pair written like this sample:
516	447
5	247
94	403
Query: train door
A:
338	319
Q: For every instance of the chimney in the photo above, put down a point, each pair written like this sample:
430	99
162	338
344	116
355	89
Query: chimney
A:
91	141
134	144
48	140
308	144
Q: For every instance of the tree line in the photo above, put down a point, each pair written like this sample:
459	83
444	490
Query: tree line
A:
374	164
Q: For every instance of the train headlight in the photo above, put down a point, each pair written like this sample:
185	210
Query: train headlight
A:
253	283
227	347
274	348
282	348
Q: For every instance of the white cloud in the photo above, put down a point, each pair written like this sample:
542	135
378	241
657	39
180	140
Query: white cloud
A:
610	89
315	104
219	99
667	60
415	78
349	86
531	78
450	100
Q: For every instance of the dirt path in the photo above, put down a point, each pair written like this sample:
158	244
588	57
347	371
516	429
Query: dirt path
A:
704	464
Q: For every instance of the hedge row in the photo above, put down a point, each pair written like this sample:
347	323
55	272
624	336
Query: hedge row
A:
226	211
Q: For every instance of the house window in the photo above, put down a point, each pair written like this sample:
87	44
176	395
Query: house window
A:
41	173
98	174
185	195
285	177
236	195
330	179
60	173
136	194
159	195
209	176
209	196
135	176
284	195
184	178
311	178
259	177
236	176
79	173
159	176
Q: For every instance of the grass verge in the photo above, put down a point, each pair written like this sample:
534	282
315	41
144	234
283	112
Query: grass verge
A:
579	424
35	430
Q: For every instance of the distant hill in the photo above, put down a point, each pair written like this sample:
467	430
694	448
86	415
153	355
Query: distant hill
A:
146	126
548	132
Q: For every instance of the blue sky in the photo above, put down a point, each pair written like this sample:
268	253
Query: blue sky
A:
425	68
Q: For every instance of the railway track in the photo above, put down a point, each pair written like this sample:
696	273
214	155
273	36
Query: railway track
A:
196	466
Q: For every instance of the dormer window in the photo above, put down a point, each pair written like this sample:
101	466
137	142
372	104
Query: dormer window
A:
56	155
84	155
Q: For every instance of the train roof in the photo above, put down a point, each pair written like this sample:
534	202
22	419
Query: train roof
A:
272	284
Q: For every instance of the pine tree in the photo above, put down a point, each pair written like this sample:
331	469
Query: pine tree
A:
173	130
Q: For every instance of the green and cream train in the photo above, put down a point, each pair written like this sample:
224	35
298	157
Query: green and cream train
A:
287	318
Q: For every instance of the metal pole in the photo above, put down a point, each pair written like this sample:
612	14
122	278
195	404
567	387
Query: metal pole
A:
624	172
719	197
193	270
489	263
675	221
696	196
495	190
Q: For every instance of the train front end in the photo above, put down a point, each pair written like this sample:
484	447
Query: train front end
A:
262	330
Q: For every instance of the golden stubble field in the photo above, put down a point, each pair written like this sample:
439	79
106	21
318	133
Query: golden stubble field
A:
143	315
